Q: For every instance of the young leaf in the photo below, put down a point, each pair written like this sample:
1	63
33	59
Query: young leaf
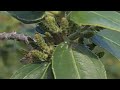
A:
109	40
106	19
33	71
27	17
79	63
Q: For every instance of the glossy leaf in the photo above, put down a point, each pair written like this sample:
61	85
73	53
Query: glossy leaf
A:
79	63
27	17
106	19
109	40
34	71
48	74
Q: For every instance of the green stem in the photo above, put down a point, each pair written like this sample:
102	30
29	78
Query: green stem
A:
78	33
75	35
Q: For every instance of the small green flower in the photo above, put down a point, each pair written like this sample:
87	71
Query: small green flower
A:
50	22
41	43
38	54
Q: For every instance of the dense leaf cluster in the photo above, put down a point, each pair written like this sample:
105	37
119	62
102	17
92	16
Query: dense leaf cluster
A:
65	41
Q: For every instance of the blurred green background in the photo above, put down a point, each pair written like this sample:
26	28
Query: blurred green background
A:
10	54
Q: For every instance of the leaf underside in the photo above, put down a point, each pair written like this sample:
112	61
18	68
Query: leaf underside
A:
27	17
109	40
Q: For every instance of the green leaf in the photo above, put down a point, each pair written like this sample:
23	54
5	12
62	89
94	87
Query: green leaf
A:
49	73
106	19
34	71
28	17
79	63
109	40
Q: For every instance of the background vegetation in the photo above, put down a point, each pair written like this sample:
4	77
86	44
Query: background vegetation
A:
10	50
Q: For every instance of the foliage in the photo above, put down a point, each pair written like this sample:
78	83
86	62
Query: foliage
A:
68	45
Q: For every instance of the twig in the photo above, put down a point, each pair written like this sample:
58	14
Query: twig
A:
78	33
14	36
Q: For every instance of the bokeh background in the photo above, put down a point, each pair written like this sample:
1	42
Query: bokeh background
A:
10	53
10	50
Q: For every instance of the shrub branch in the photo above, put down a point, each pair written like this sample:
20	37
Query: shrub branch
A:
14	36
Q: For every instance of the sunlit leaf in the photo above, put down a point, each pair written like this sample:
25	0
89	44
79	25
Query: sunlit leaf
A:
106	19
79	63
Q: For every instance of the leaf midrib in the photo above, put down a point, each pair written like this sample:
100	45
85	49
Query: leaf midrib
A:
30	72
42	77
53	63
99	74
114	18
100	24
75	64
97	70
19	70
104	17
108	39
